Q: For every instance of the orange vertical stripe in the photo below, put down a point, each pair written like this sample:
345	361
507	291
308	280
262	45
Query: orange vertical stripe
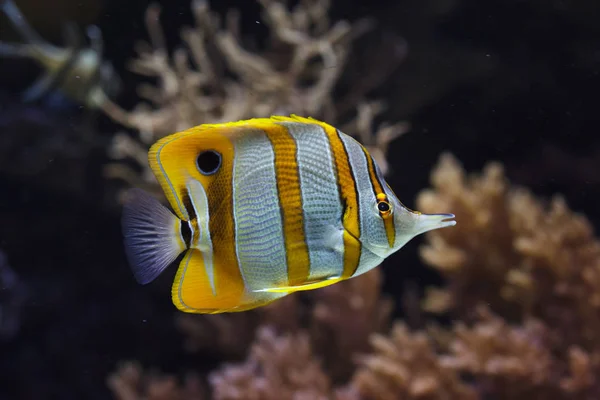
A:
228	276
290	200
388	221
349	195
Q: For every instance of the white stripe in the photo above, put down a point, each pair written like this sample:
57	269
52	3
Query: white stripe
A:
199	201
320	200
372	228
257	217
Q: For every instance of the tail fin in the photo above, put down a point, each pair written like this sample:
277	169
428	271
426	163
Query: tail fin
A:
153	238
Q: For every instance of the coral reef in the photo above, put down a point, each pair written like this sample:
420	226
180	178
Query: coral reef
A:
521	285
522	275
130	382
406	365
298	347
278	367
522	257
513	313
326	316
215	78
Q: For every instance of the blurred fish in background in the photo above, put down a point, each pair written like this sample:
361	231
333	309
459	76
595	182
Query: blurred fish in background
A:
12	297
77	72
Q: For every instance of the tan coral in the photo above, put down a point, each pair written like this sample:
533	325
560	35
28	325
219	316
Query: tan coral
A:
406	366
476	254
344	316
523	276
329	314
514	360
511	251
520	362
129	382
214	78
278	368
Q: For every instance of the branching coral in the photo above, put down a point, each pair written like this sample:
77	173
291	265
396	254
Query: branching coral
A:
523	275
533	263
214	78
522	281
501	361
513	252
327	315
356	306
278	368
520	362
130	382
407	366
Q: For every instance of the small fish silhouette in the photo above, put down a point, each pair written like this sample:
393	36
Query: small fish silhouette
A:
78	72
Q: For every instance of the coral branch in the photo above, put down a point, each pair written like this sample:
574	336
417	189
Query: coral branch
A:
215	78
278	368
513	252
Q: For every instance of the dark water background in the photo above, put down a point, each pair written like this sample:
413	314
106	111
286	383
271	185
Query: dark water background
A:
513	81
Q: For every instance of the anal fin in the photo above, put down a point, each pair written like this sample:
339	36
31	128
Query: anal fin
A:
193	289
305	286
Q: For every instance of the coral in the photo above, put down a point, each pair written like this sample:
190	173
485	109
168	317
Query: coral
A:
519	362
328	314
130	382
225	335
277	368
522	274
356	306
534	263
283	337
406	365
502	361
522	280
514	252
215	77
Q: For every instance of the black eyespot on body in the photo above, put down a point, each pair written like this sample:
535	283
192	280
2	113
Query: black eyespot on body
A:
383	206
208	162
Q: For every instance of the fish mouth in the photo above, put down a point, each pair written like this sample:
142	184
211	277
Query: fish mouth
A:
429	222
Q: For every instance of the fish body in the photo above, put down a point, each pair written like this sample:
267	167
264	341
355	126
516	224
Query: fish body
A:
78	72
263	208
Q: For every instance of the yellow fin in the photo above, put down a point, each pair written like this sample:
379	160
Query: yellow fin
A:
305	286
193	292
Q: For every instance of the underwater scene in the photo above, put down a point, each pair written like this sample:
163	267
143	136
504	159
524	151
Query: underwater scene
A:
299	199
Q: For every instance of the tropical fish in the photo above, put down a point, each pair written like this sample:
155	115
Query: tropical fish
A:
80	73
263	208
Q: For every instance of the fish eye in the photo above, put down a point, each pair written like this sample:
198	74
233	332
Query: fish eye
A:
383	205
208	162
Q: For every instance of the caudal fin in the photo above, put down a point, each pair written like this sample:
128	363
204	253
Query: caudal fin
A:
152	234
